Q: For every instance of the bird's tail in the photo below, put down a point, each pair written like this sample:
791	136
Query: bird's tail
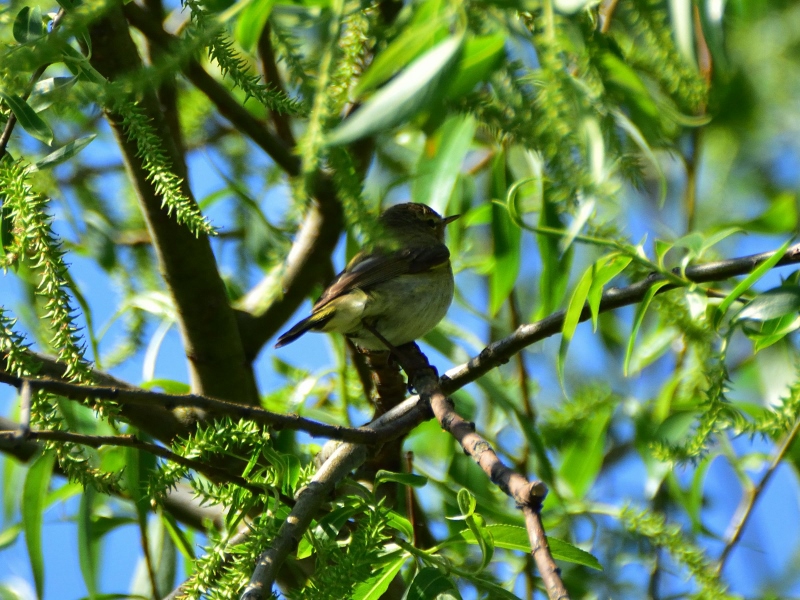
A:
315	321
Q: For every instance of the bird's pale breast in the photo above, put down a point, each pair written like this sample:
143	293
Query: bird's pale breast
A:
405	308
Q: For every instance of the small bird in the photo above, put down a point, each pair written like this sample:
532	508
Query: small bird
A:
401	288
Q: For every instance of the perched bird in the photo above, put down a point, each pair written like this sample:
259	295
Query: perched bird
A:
401	288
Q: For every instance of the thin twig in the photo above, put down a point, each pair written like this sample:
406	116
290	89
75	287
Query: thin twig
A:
131	441
751	496
528	495
219	407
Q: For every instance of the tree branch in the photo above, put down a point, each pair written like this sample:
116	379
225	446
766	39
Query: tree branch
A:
128	441
136	396
179	501
227	105
501	351
751	496
218	366
307	264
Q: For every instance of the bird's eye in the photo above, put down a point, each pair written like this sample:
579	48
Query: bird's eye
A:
431	223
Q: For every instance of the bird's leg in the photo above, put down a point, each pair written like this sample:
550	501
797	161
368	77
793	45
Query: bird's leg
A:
408	356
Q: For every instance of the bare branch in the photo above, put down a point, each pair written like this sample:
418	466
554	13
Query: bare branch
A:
180	501
130	441
501	351
307	264
751	496
137	396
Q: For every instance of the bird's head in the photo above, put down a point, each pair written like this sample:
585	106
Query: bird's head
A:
413	221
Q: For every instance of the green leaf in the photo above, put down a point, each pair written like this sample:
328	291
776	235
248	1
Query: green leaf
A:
64	153
565	551
34	493
88	541
415	39
633	132
374	587
417	87
772	304
466	504
6	225
409	479
582	456
28	24
573	316
481	57
513	537
603	275
440	163
431	584
748	282
506	239
637	321
251	22
47	91
8	537
178	536
27	118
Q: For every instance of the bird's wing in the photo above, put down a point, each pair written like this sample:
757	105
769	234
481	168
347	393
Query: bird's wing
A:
368	270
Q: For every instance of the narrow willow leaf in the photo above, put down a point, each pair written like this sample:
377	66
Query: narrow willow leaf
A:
582	457
417	87
64	153
88	541
514	537
415	39
431	584
47	91
178	536
584	212
481	57
633	132
409	479
374	587
572	317
637	322
28	119
603	275
251	22
440	162
28	24
506	240
34	493
748	282
772	304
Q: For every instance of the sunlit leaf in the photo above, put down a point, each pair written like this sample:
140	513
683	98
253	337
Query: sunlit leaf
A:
416	88
64	153
28	24
32	505
641	310
440	162
748	282
481	56
431	584
28	119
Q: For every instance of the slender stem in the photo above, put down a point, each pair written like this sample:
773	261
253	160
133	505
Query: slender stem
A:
751	496
171	401
131	441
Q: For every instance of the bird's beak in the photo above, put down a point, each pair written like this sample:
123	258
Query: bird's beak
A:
448	220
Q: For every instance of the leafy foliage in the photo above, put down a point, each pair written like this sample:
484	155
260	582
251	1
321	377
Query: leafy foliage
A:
593	149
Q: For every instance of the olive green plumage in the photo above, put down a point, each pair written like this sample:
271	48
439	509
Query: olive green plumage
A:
402	287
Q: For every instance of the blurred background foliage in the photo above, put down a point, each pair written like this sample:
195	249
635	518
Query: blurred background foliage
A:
586	144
